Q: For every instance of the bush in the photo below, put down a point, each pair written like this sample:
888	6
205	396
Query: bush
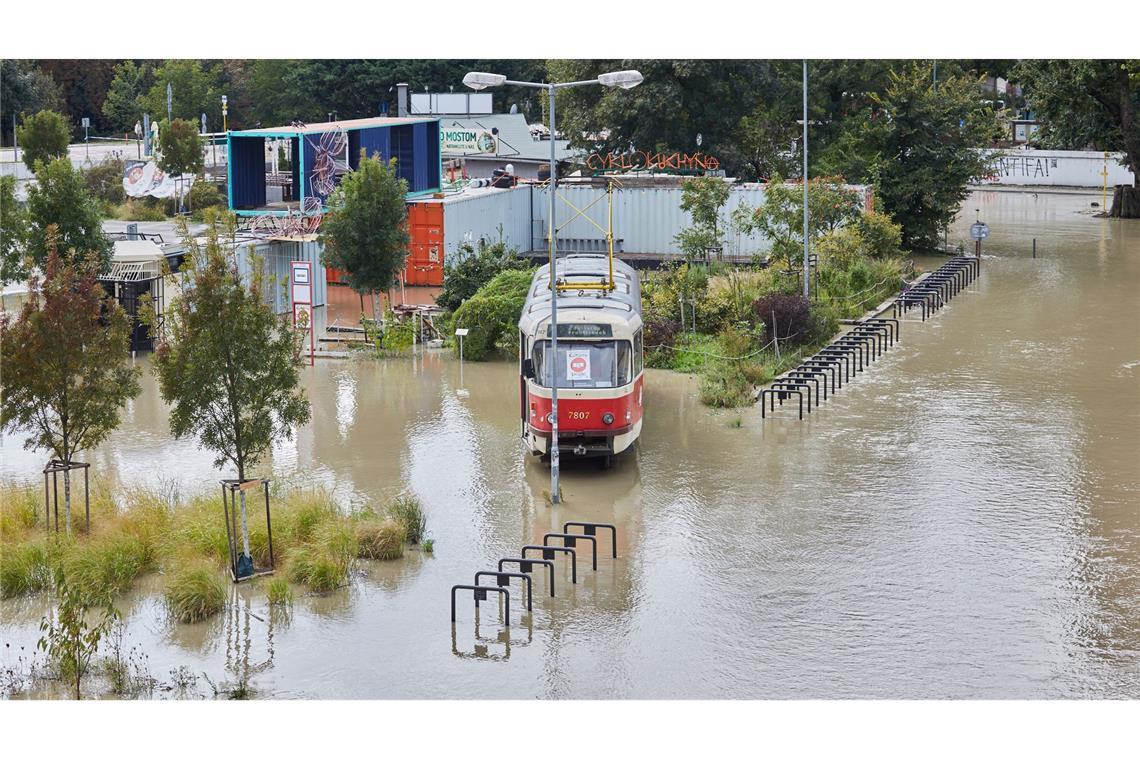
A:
472	268
380	539
107	565
104	181
724	384
399	334
787	317
883	237
409	515
195	592
492	315
324	564
734	342
204	194
141	210
278	593
43	137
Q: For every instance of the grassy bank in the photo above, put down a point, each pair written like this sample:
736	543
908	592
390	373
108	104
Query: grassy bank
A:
316	544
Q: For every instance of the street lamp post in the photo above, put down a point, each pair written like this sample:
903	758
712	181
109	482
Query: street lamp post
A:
480	81
807	264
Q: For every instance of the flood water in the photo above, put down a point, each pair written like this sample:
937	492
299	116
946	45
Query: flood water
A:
961	520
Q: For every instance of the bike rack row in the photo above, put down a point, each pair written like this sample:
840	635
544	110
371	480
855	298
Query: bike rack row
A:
854	350
527	562
835	363
932	293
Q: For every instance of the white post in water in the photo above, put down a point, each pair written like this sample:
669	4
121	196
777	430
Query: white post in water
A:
807	265
479	81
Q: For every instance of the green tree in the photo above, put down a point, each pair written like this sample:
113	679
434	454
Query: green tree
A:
123	107
24	88
1089	103
929	148
703	198
65	358
43	137
180	148
84	84
196	88
68	634
227	364
781	217
60	198
13	233
365	233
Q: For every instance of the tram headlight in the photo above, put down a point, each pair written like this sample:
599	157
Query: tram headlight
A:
608	418
550	418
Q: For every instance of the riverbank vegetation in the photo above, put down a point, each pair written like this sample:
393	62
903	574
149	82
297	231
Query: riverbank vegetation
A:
316	545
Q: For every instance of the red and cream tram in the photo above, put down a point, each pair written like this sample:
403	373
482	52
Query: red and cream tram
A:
600	363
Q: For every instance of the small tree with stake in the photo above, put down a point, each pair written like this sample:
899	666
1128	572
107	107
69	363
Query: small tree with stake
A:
65	360
366	231
227	364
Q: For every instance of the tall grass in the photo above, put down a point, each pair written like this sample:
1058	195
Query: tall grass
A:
20	508
380	539
24	569
194	592
408	513
324	563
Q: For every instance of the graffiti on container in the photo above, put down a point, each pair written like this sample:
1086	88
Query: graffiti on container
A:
293	225
644	160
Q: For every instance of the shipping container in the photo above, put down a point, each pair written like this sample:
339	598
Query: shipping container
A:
425	254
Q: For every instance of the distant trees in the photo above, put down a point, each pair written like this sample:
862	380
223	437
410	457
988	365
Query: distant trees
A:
65	359
25	88
60	199
196	88
1089	103
43	137
365	233
123	107
781	217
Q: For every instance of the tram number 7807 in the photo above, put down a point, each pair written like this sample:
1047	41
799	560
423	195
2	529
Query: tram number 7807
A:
579	415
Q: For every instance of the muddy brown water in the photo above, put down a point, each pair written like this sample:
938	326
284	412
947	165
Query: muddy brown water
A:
963	520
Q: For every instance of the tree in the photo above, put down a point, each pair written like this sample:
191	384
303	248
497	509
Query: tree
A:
227	364
180	148
123	107
1086	103
365	233
65	358
473	268
195	89
703	198
492	315
69	635
84	84
60	199
43	137
24	88
13	233
929	149
781	218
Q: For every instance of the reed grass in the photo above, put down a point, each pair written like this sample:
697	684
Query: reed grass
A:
24	569
406	511
380	539
324	563
20	508
194	592
279	593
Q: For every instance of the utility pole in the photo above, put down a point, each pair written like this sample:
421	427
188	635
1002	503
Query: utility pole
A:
807	264
169	103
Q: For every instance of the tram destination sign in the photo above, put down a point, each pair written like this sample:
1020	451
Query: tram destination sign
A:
582	330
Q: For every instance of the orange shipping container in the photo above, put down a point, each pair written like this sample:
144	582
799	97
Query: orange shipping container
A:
425	255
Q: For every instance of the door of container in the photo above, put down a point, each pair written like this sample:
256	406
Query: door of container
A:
425	257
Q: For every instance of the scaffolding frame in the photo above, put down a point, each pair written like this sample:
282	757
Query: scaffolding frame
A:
609	285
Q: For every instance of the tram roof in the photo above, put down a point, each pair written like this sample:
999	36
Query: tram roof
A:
619	305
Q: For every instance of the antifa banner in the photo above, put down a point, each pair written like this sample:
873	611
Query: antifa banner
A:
142	178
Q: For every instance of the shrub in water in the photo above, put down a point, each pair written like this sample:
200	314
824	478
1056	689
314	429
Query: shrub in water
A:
19	510
380	539
785	316
408	513
279	593
324	564
195	592
24	569
106	565
724	384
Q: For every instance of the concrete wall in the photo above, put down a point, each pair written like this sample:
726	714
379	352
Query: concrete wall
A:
1068	168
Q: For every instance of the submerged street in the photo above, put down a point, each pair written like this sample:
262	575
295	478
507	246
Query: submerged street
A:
959	522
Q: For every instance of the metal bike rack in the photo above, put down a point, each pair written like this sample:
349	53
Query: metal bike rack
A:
802	373
571	540
793	385
848	354
503	579
833	366
526	565
548	552
773	393
480	594
591	529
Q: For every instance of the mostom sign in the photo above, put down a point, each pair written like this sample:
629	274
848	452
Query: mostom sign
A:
465	141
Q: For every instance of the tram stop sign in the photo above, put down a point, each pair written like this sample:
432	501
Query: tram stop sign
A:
979	231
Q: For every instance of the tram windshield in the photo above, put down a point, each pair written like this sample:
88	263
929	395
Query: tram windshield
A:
602	364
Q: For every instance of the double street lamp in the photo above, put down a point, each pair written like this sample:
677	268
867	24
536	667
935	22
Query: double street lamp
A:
477	80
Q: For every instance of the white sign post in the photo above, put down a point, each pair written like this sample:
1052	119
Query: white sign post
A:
301	290
979	231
